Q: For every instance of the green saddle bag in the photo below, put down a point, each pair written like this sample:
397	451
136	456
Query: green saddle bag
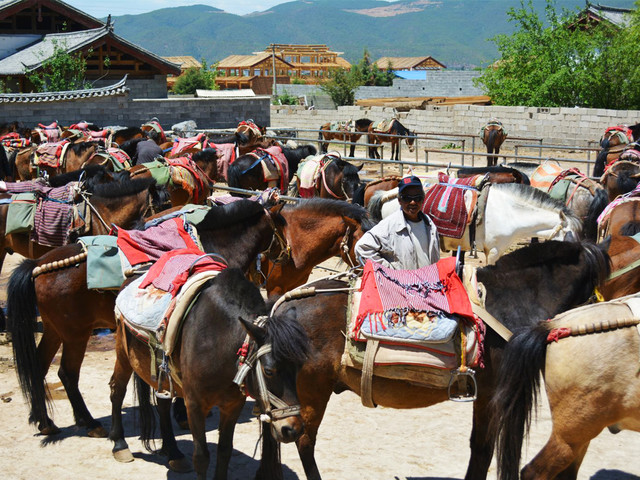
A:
21	213
104	268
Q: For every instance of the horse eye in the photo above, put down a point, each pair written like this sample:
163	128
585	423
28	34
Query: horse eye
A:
268	372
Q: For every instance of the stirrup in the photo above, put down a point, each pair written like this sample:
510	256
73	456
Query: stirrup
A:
469	377
160	392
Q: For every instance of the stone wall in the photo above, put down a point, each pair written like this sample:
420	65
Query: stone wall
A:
439	83
155	87
127	111
560	126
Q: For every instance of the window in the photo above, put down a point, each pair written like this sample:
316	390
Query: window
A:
256	71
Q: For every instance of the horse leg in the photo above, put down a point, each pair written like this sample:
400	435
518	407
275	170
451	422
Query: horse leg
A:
201	457
69	374
352	147
229	414
46	350
557	459
482	439
177	461
118	385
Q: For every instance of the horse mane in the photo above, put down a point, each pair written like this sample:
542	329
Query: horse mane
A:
347	168
130	145
206	155
81	147
123	188
231	214
493	169
336	207
289	340
402	130
363	123
543	200
128	131
90	172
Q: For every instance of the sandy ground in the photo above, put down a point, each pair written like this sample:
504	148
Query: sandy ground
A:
354	442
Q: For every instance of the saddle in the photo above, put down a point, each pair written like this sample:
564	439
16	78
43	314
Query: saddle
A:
413	325
50	154
543	176
275	168
383	126
493	122
561	187
119	159
310	171
348	126
155	126
180	145
604	217
13	140
184	174
49	133
252	126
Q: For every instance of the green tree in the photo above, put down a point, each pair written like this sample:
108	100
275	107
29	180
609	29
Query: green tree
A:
342	85
203	78
546	63
61	71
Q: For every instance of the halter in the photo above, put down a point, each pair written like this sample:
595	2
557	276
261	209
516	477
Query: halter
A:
249	359
323	167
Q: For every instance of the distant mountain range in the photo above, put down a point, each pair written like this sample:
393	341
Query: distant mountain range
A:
454	32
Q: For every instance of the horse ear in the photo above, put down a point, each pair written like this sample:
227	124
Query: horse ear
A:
360	166
275	210
258	334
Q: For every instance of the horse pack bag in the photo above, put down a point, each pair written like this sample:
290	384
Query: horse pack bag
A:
104	266
420	320
21	213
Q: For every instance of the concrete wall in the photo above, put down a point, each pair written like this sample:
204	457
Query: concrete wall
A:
561	126
445	83
127	111
155	87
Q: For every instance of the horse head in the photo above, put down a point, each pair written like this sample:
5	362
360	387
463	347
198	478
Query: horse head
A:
280	347
411	138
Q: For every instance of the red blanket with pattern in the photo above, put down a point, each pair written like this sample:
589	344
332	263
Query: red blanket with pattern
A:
444	204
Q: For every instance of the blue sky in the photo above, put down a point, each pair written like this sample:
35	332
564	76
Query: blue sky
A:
124	7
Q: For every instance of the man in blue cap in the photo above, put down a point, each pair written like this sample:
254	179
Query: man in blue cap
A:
406	239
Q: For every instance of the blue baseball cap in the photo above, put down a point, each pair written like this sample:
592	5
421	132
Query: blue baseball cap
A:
411	181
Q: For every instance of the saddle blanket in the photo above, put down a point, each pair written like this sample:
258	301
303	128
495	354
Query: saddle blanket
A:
184	174
182	144
623	133
190	213
154	311
543	176
411	306
53	216
450	204
383	126
630	196
51	154
226	154
14	140
38	184
492	123
342	126
310	170
49	133
565	185
275	167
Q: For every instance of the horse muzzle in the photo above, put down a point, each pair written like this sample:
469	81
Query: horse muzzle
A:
288	429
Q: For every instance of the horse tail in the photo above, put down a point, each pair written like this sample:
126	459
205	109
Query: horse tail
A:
630	228
22	323
271	462
5	167
492	141
233	175
625	183
145	409
516	395
597	206
375	205
601	160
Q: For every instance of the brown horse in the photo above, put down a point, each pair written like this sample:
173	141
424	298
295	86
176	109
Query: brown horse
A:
392	133
70	312
315	230
125	134
366	191
328	176
522	287
207	366
345	131
496	174
76	156
153	130
613	143
493	136
588	358
621	176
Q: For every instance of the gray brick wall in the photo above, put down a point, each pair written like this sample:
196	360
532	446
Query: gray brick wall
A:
561	126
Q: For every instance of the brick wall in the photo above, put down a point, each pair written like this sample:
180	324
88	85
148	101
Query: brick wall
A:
127	111
562	126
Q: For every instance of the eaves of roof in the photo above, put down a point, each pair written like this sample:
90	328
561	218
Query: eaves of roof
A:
119	88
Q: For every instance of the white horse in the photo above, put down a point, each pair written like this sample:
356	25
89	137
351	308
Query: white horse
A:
513	212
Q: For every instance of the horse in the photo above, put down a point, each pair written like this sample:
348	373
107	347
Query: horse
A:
531	283
495	174
366	191
249	171
314	230
123	135
75	156
622	176
328	176
613	142
493	136
207	365
347	132
513	212
70	311
588	358
153	130
378	135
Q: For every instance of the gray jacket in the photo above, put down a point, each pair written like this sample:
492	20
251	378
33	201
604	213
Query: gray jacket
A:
392	244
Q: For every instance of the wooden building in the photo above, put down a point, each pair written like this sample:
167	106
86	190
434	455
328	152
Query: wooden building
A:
185	62
595	14
310	62
409	63
32	30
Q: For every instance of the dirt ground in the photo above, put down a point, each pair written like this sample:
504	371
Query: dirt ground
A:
354	442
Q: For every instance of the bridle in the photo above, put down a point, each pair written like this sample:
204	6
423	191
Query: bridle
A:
249	359
344	249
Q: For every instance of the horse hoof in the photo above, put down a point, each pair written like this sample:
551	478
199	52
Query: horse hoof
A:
180	465
98	432
50	430
123	456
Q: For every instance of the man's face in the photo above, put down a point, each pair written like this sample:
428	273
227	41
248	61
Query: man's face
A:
411	200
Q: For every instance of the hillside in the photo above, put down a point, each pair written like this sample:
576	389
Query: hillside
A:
455	32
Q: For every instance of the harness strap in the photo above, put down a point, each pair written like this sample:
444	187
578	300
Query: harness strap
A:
366	379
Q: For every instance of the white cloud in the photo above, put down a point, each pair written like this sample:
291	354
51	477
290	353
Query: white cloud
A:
124	7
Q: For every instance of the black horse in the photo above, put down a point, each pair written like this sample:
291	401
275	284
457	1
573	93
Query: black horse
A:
207	358
345	132
247	171
532	283
396	128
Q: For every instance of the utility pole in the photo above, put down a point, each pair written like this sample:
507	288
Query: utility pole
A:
273	61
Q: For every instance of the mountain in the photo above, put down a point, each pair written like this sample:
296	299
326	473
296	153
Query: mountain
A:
455	32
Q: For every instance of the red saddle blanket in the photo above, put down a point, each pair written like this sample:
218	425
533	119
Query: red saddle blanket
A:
183	144
226	154
445	204
51	154
391	299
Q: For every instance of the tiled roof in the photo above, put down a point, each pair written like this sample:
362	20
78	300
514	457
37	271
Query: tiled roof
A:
617	16
243	61
32	57
185	61
403	63
116	89
6	4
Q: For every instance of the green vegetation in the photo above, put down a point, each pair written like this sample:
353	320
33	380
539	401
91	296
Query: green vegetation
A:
285	99
203	78
545	63
343	83
62	71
